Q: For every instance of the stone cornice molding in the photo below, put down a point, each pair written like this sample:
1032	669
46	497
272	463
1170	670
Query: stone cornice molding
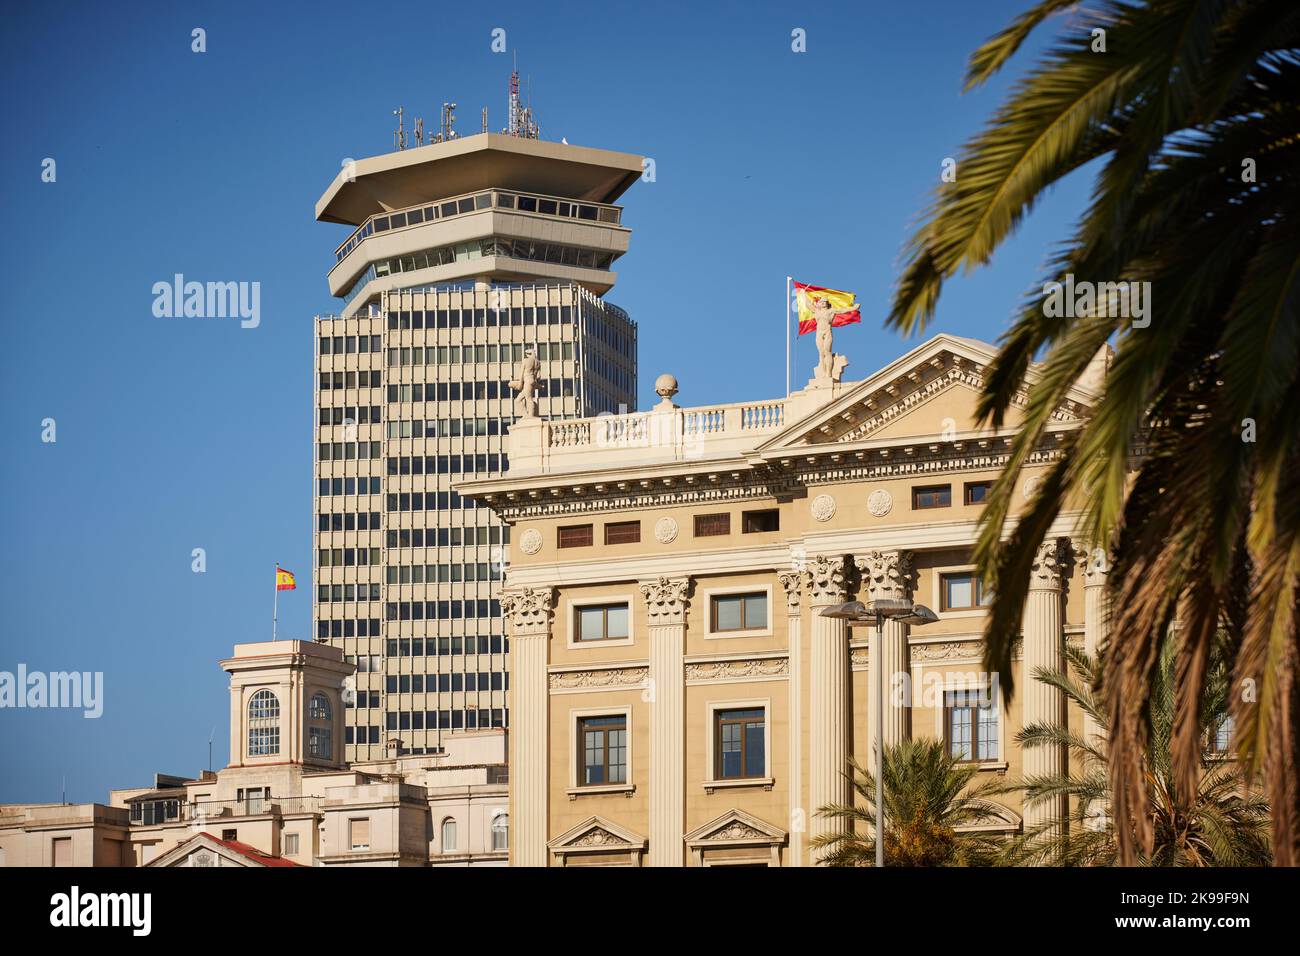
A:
886	574
666	600
824	580
528	610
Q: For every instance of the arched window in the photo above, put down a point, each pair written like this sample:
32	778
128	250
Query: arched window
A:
500	832
263	724
449	835
319	708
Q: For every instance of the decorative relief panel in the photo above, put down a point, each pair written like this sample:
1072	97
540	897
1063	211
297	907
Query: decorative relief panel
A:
738	670
530	542
823	508
666	530
597	679
880	502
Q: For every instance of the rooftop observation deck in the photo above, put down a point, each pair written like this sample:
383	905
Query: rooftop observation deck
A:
425	174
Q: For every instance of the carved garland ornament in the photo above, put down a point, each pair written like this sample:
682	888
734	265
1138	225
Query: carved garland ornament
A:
611	677
666	599
738	670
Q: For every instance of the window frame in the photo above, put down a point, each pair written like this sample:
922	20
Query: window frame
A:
559	536
713	754
576	758
945	717
937	602
745	517
931	489
987	484
709	594
977	591
577	604
695	524
623	525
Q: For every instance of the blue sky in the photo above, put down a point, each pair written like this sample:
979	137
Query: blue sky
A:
175	434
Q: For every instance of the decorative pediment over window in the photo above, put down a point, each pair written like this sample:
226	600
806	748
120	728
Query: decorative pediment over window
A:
736	838
1000	819
928	394
600	841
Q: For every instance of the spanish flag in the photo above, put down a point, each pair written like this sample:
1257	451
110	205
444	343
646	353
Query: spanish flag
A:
284	580
844	304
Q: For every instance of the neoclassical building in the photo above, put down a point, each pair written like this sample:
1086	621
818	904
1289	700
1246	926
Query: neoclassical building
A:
287	797
677	697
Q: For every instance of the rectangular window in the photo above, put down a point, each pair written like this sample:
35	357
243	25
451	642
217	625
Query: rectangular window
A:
602	750
756	522
710	525
738	612
738	742
575	536
623	532
359	833
963	591
977	492
291	844
971	725
931	496
601	622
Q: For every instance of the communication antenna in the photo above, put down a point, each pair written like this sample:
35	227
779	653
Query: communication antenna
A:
399	136
419	131
485	119
448	121
210	736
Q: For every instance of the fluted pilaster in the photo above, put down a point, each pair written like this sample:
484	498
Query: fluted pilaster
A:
528	615
1096	628
828	727
666	602
790	582
1043	648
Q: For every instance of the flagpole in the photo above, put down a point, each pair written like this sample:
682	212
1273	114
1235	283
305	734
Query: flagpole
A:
275	605
787	335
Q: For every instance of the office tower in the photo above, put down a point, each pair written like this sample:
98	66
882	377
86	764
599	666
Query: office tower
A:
464	253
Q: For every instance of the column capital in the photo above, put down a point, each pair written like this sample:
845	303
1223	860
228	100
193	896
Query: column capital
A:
790	581
824	580
666	599
528	610
1049	561
886	574
1095	561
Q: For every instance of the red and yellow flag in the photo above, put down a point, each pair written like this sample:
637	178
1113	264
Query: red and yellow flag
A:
844	304
284	580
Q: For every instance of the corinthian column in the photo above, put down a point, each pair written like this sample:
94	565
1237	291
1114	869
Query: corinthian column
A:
666	600
1043	648
528	614
828	725
886	575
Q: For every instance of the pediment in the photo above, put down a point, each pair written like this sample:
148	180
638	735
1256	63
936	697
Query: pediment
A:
596	834
929	394
736	828
1000	819
202	849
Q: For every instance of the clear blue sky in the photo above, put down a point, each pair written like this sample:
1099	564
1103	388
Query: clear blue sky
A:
175	434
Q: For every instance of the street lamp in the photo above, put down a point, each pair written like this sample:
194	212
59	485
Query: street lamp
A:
857	614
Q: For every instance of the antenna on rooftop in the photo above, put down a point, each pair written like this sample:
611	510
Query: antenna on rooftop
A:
448	121
485	119
399	136
419	131
520	121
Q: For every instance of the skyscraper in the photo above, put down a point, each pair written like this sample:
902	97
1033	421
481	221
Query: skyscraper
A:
465	253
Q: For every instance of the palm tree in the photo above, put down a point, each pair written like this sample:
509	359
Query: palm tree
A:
1189	468
1221	823
926	801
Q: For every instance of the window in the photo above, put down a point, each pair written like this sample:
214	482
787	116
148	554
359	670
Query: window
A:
263	724
253	798
756	522
319	708
932	496
602	750
575	536
359	833
500	833
977	492
623	532
601	622
739	743
232	835
291	844
449	835
707	526
738	612
971	724
320	743
1221	735
963	591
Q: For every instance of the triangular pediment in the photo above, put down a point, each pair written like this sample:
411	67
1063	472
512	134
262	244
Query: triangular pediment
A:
202	849
736	827
598	834
929	394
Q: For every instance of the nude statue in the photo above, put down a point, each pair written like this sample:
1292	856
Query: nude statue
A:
829	365
526	385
